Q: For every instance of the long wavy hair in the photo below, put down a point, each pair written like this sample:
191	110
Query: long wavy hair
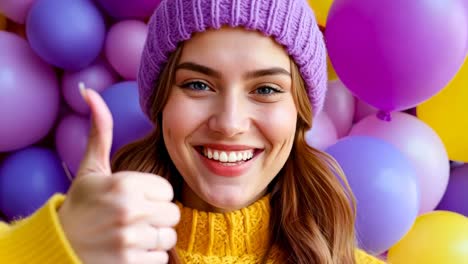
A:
313	209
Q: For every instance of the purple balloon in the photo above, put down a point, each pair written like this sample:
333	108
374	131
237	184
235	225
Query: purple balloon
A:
98	76
456	196
71	139
385	186
16	10
124	9
124	46
395	54
29	94
28	178
130	123
323	132
421	145
339	106
69	34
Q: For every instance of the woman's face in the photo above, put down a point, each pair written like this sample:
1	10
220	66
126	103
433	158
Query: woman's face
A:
230	119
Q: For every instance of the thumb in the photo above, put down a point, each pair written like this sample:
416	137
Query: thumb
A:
97	156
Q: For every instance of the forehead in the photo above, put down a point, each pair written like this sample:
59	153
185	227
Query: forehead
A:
235	48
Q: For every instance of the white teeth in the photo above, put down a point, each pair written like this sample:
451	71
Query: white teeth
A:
229	156
223	157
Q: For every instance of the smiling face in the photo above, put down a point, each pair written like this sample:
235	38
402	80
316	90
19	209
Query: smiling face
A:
230	120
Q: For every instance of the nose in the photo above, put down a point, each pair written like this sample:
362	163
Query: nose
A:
230	117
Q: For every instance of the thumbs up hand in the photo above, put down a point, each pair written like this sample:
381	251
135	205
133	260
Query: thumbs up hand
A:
123	217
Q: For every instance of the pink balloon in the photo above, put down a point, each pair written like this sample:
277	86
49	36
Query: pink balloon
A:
16	10
421	145
363	110
71	138
339	106
98	76
323	133
124	45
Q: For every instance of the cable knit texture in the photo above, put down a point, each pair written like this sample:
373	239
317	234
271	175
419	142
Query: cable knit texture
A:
240	236
290	22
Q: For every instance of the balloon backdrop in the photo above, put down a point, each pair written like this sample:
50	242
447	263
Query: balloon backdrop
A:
71	138
456	196
29	94
363	110
446	114
97	76
124	46
3	22
339	106
129	121
323	132
16	10
69	34
385	54
386	188
124	9
331	72
27	180
321	9
421	145
437	237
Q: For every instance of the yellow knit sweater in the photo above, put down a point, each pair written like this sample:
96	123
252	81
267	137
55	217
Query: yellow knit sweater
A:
236	237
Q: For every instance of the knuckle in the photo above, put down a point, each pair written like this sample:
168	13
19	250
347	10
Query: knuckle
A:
126	256
122	213
122	241
121	185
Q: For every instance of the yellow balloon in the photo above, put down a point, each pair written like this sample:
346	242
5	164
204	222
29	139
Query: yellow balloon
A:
438	237
3	22
447	114
321	9
331	71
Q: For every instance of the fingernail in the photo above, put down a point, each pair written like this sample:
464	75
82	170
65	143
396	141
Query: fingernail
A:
82	88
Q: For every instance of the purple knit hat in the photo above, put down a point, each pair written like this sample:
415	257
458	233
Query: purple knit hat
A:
290	22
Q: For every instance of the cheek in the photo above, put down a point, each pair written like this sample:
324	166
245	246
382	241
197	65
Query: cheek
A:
278	124
180	118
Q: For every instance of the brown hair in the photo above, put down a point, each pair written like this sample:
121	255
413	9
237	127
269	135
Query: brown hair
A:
313	213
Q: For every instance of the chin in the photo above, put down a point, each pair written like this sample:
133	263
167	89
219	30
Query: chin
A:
228	200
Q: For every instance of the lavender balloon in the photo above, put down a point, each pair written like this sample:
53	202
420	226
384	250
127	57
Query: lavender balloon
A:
323	132
129	121
340	107
124	9
386	188
16	10
456	195
28	178
421	145
71	138
97	76
124	46
395	54
68	34
29	94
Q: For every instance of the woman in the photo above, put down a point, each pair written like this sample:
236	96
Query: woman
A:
231	86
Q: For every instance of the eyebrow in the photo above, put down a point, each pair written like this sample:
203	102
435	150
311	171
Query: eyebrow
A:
249	75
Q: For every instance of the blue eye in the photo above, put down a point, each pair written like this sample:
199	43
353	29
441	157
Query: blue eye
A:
267	90
198	86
